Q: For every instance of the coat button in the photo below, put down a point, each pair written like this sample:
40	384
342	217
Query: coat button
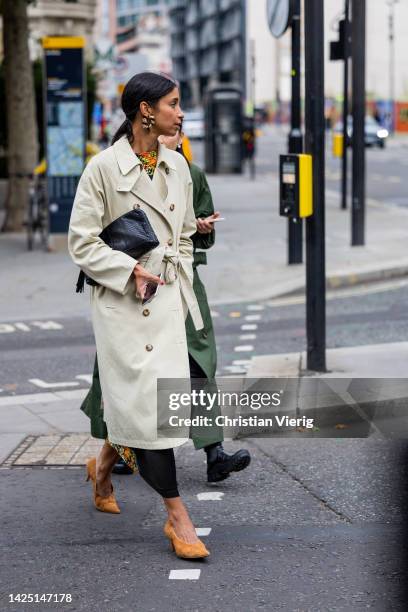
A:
146	312
136	206
170	241
172	206
167	171
149	347
205	335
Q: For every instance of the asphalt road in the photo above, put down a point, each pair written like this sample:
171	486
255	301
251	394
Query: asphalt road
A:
34	359
310	526
386	168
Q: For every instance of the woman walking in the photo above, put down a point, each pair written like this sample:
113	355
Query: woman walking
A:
201	344
137	344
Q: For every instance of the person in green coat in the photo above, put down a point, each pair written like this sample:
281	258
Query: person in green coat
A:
201	344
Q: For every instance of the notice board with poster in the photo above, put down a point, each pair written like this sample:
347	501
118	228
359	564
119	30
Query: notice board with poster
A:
65	124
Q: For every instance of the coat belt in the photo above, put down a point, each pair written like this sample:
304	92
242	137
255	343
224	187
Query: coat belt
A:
173	270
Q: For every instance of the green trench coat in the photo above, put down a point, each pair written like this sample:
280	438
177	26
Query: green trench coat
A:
201	344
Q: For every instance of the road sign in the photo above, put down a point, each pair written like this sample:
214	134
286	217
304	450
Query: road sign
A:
279	14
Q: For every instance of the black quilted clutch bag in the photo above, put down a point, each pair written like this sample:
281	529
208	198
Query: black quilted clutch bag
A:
130	233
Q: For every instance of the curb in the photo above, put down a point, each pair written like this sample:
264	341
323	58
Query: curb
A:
334	281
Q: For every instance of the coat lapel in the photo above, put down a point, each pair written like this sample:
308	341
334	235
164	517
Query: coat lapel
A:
152	192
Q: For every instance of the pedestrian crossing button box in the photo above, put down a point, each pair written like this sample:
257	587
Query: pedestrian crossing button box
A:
296	186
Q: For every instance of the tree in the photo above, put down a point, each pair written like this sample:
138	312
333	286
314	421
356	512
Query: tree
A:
21	115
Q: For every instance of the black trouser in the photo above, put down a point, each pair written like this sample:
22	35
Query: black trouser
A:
158	467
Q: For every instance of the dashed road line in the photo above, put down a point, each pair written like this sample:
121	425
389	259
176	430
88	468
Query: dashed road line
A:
210	496
244	348
247	337
203	531
185	574
234	370
249	326
255	307
253	317
237	362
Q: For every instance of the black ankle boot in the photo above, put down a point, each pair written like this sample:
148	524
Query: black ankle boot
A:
220	464
121	468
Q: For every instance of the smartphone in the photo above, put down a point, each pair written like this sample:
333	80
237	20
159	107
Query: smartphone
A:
151	291
215	220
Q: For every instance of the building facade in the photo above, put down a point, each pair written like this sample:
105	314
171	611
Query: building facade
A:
208	45
61	18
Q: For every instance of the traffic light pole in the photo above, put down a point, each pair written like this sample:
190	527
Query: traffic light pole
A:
315	145
358	57
345	103
295	145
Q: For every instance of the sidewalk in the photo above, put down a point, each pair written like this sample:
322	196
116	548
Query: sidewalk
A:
365	390
248	261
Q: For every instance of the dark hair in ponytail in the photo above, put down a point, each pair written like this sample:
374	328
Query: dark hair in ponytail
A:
143	87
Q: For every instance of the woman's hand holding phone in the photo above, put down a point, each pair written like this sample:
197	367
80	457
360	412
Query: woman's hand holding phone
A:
143	278
206	226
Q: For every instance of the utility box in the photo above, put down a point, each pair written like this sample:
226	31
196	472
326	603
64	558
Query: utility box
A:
296	186
337	144
224	129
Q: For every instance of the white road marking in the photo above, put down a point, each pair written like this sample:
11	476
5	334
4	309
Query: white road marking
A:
42	398
185	574
248	337
255	317
58	385
394	179
86	377
243	348
214	313
241	362
255	307
51	325
7	328
203	531
22	327
210	496
249	326
235	369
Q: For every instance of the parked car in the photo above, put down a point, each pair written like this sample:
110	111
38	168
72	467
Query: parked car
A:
193	124
374	133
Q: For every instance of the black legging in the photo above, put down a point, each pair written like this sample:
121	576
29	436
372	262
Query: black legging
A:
158	467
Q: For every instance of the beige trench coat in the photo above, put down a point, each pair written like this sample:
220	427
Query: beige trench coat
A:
137	344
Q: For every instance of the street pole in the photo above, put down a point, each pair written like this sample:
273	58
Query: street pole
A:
315	145
391	37
358	55
252	165
345	103
295	228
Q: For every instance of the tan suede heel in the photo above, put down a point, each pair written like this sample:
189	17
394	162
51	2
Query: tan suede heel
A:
184	550
103	504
